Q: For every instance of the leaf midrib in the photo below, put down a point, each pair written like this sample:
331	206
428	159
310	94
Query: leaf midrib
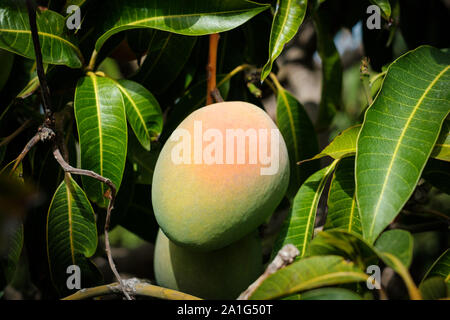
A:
397	147
46	35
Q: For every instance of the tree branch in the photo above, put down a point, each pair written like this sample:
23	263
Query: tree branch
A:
211	68
45	91
134	287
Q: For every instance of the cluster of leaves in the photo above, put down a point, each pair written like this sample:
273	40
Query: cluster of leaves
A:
114	125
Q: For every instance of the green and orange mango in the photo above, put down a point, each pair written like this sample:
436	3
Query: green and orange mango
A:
214	182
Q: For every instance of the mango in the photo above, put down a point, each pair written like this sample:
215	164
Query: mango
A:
220	274
221	174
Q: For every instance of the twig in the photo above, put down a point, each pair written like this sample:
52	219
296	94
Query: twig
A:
211	67
135	287
215	93
112	196
9	138
284	257
45	91
44	134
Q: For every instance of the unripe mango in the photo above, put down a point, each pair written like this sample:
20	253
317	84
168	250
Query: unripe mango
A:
220	274
223	187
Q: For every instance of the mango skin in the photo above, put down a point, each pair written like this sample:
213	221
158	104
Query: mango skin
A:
220	274
207	207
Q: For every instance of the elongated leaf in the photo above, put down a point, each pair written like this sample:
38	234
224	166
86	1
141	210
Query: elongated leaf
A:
357	249
434	288
398	134
441	267
385	7
9	259
331	99
300	136
398	243
71	235
343	210
196	17
330	294
143	111
289	15
308	273
102	130
143	161
56	44
164	62
344	145
298	227
6	60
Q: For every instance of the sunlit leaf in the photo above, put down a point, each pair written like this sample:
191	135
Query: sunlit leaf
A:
289	15
196	17
398	135
343	210
298	227
57	46
308	273
143	111
102	130
300	137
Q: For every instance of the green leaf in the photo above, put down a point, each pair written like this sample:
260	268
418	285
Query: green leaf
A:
300	137
344	145
308	273
71	235
343	210
434	288
357	249
164	62
398	135
385	7
441	267
298	227
289	15
57	46
143	111
102	130
330	294
196	17
398	243
331	98
9	259
347	245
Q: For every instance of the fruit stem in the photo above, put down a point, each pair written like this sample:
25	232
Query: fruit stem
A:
212	66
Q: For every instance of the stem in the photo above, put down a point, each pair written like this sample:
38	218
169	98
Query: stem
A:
212	66
136	286
45	91
92	61
277	83
233	72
